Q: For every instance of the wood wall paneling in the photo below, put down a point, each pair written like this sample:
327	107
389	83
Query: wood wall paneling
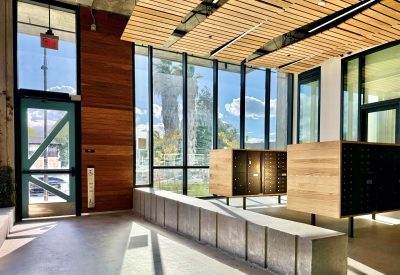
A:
107	111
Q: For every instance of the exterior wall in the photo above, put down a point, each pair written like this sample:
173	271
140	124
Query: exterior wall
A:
7	154
107	111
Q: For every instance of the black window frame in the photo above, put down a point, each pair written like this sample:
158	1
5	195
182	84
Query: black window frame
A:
305	77
215	93
361	68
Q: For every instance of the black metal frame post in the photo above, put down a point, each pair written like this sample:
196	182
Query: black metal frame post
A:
313	219
279	199
215	104
242	104
184	122
150	95
351	227
227	200
244	203
267	107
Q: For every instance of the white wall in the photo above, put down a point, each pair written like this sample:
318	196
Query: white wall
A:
330	100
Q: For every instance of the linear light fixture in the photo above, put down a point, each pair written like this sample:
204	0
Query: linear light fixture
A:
340	16
237	38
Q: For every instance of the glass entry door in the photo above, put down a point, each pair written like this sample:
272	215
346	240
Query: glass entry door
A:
380	123
48	158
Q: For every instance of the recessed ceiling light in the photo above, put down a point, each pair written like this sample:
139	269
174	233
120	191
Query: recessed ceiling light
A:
215	1
321	3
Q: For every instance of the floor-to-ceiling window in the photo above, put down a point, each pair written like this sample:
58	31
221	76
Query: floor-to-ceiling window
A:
228	106
199	124
178	121
167	120
371	95
308	106
350	99
255	103
142	116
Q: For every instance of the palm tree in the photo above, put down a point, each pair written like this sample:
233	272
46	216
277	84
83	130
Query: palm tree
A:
168	85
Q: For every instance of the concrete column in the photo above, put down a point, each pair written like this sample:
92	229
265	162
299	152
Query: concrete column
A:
7	146
281	111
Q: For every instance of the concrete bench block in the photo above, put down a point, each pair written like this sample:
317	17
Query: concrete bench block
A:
147	205
160	216
136	201
153	213
189	220
257	237
281	252
232	235
208	227
326	255
171	213
142	203
7	220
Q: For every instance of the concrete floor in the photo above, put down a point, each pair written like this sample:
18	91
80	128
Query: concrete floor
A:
122	243
110	244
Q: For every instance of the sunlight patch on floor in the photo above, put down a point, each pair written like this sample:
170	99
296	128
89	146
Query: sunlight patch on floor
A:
357	268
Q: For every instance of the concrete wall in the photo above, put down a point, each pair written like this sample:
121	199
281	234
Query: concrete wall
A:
7	155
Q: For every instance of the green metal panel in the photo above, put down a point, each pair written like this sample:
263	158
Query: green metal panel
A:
28	162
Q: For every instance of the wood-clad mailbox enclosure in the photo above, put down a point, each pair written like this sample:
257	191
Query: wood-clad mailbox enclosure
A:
246	173
342	179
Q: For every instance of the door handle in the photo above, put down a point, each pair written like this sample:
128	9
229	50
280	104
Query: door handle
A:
72	171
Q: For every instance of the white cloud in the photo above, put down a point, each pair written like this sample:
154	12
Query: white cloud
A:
220	115
157	110
234	107
142	128
63	89
255	140
255	108
272	108
159	127
140	112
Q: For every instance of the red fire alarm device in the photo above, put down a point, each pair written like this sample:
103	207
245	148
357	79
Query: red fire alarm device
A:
49	41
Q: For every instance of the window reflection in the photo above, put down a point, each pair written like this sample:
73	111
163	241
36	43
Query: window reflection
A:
382	75
167	108
309	108
200	111
350	100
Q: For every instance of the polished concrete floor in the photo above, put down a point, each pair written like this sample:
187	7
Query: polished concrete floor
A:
122	243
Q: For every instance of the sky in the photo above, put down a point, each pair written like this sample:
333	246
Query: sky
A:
61	75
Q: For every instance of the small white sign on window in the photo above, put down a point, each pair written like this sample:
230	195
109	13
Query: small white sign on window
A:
90	180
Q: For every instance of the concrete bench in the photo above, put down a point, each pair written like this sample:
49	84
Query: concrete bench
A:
7	220
283	246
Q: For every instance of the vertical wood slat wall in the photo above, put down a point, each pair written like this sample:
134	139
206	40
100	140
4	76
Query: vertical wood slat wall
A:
107	111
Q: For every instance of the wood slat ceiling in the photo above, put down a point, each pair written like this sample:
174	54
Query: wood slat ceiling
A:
377	25
236	17
295	16
153	21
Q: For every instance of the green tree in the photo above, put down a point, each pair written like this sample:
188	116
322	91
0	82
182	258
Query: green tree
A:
32	132
228	136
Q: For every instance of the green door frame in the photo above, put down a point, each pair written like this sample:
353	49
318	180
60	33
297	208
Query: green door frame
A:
26	162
